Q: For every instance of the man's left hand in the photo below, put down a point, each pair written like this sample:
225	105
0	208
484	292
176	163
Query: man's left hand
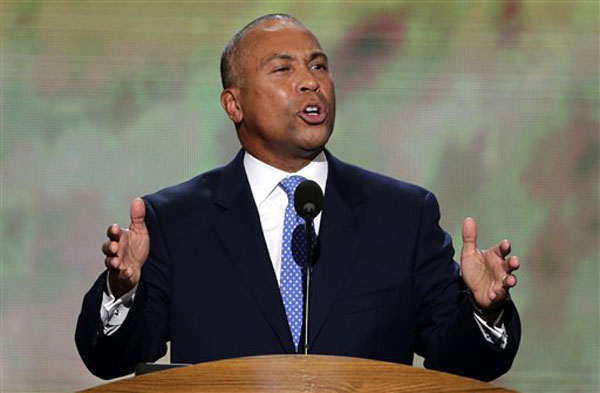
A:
487	273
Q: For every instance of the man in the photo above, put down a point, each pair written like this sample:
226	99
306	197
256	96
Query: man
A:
209	264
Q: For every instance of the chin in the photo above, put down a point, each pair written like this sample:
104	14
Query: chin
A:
313	145
314	138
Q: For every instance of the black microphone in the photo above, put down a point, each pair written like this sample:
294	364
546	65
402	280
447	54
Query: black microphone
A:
308	199
308	202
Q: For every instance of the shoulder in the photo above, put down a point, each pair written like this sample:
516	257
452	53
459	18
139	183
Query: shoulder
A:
377	187
199	190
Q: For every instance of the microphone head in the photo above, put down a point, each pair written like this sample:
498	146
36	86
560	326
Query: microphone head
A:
308	199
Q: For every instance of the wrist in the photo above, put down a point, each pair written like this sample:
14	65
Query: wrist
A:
490	315
116	287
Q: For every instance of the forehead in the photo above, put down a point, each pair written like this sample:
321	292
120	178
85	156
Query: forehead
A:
278	37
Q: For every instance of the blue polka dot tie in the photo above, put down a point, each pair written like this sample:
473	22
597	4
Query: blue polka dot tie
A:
293	256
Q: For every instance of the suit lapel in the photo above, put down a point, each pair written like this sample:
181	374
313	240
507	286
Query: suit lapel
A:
239	230
338	243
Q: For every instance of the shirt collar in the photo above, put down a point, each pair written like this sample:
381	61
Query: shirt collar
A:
264	178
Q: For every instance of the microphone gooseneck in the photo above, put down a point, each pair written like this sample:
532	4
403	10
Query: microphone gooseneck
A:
308	202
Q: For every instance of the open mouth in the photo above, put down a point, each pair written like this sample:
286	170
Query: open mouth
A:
313	114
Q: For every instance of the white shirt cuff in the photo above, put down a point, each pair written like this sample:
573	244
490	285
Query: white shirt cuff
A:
495	334
114	311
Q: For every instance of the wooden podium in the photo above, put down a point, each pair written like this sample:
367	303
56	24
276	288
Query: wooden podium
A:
297	373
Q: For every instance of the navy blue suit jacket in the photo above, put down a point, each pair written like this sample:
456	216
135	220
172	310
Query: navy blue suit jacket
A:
384	286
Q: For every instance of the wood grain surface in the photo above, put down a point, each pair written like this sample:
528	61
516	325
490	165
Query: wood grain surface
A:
298	373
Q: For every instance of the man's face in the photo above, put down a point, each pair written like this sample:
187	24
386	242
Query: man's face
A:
286	93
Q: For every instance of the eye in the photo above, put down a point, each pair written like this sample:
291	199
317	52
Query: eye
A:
281	69
319	67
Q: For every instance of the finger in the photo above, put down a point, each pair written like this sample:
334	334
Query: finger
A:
105	248
499	296
509	281
110	249
505	247
127	273
137	213
114	232
513	263
492	295
469	235
502	249
112	263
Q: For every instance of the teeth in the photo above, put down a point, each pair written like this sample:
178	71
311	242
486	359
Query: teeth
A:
311	109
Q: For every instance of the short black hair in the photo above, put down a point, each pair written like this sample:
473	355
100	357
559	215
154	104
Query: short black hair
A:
231	51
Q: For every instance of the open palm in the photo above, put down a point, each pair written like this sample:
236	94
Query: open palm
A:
487	273
127	250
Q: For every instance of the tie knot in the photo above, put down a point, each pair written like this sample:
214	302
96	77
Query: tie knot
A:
289	185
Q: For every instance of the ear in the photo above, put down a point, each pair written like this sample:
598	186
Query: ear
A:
230	103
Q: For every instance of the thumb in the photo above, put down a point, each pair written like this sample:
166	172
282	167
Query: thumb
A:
137	214
469	235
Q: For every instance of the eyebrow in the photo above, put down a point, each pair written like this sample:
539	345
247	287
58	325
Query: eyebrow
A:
287	56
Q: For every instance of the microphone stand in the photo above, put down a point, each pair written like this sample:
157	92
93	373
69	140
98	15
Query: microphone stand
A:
307	270
308	202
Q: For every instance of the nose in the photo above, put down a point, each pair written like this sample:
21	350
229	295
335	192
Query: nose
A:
308	82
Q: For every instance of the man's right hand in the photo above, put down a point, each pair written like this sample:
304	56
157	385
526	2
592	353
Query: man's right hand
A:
126	251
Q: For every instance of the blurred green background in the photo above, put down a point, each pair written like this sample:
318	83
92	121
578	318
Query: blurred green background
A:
493	105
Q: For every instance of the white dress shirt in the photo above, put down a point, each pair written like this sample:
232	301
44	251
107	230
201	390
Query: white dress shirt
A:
271	202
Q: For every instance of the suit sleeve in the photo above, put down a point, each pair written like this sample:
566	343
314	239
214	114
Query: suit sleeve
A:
145	331
447	334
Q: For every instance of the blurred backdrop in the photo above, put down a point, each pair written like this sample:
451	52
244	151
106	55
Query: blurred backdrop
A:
492	105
